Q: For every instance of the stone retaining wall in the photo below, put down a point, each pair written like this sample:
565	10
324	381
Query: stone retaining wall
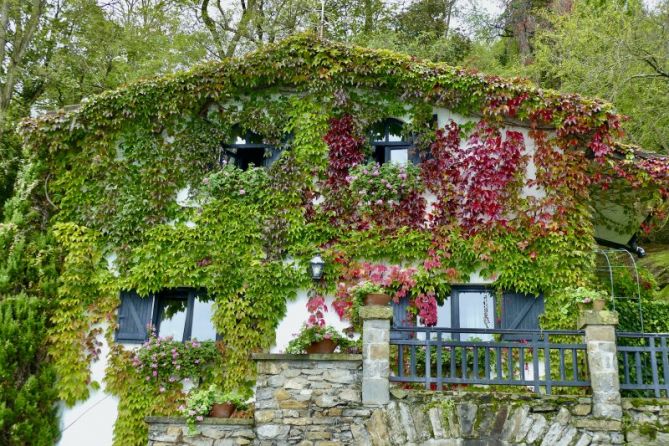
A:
309	400
172	431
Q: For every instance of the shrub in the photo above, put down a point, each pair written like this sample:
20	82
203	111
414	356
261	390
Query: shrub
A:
28	395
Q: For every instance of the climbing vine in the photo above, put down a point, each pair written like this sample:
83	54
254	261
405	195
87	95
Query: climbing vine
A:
102	182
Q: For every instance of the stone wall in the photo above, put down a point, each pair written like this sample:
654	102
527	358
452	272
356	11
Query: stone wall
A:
315	400
309	400
172	431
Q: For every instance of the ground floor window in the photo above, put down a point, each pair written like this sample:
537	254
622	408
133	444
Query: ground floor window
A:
476	306
181	313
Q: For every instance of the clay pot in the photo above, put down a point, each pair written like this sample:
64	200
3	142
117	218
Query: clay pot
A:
222	410
324	346
598	304
377	299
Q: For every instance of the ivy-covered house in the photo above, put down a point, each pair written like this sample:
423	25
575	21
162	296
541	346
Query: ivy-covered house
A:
193	205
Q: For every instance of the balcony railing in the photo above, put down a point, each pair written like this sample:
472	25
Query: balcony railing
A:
532	358
643	361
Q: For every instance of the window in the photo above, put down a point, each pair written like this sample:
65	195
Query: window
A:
181	313
474	306
468	306
247	148
388	144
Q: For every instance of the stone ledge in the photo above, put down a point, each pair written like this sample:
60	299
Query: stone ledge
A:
206	421
376	312
314	357
592	317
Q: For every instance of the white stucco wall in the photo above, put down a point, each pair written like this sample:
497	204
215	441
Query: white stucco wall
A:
90	422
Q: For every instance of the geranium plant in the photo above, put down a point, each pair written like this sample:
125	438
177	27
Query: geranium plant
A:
315	329
310	334
200	402
394	280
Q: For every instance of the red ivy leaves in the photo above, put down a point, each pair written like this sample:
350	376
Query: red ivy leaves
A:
473	182
345	150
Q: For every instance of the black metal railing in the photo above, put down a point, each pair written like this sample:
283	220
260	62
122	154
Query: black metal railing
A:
532	358
643	362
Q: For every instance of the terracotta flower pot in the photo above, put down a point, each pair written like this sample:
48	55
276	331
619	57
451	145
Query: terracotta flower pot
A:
598	304
222	410
324	346
377	299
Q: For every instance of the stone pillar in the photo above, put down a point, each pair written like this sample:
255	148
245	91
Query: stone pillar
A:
600	338
375	354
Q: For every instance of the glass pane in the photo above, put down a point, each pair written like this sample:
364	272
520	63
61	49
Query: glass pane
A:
394	130
444	318
477	310
203	329
172	317
399	156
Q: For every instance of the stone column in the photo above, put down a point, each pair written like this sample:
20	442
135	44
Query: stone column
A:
600	338
375	354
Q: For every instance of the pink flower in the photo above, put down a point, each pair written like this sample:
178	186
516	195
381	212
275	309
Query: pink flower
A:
162	389
242	191
199	418
155	373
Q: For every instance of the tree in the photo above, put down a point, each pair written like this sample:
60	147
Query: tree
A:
613	50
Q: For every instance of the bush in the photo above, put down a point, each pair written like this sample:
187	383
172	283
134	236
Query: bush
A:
28	395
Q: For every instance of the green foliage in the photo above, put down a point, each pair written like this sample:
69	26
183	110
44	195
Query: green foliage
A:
86	297
200	402
28	393
310	334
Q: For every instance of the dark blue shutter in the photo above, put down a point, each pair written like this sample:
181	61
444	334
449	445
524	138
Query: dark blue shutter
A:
134	315
521	312
401	318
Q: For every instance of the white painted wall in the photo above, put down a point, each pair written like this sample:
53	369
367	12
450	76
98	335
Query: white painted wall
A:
90	422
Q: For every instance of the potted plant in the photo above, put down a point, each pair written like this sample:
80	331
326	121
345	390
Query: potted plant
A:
212	402
589	298
317	339
369	293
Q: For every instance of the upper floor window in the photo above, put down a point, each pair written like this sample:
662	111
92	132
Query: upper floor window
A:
181	313
246	148
389	145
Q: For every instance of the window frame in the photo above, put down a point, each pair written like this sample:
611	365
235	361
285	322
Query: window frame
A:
388	146
455	306
275	151
190	295
153	315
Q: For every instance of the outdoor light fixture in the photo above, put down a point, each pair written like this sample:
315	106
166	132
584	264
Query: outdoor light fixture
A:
316	265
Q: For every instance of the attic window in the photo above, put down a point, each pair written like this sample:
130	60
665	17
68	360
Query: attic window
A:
247	148
389	145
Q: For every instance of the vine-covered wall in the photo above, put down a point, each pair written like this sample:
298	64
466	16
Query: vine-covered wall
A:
101	183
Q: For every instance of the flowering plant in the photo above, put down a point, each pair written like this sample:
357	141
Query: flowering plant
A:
315	329
310	334
587	296
383	186
394	280
165	362
200	402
